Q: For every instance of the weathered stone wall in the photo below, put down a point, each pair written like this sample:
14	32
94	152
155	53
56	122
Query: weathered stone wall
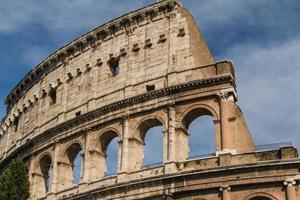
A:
161	42
149	67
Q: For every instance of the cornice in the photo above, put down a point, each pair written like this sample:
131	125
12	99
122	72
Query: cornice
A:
97	35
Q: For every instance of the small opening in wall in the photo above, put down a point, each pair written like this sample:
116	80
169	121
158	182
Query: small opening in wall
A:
150	88
52	96
16	124
113	63
78	113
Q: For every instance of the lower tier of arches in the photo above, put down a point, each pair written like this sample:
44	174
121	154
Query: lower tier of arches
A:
253	181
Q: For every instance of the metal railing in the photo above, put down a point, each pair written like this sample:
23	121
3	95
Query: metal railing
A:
202	156
272	146
152	165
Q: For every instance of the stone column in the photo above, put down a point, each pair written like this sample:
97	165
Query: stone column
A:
225	192
172	138
225	101
171	154
124	165
290	189
55	171
94	160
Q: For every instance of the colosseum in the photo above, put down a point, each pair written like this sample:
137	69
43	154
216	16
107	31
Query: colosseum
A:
146	68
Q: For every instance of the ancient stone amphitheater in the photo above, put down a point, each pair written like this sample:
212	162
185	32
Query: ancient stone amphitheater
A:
146	68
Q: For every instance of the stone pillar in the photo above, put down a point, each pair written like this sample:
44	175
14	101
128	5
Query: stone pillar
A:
124	165
39	189
290	189
34	180
64	175
94	167
54	182
225	101
171	134
30	177
225	192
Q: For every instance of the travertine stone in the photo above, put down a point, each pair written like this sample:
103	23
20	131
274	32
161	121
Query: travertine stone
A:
149	67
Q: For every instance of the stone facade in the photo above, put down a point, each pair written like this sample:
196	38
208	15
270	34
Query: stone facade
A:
147	68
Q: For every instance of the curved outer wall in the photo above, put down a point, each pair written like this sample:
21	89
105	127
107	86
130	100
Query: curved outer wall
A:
149	67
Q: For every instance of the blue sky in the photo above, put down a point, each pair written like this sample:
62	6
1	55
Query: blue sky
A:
261	37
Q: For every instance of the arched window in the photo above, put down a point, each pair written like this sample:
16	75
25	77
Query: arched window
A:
46	171
200	126
110	150
152	137
153	149
74	153
260	198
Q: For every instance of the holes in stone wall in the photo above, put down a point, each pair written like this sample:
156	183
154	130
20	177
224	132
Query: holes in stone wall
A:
99	62
147	44
113	63
16	124
52	96
135	48
181	32
162	38
150	88
78	113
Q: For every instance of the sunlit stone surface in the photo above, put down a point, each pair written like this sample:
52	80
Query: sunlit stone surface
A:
112	115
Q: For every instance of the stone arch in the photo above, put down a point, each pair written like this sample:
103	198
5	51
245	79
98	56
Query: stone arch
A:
43	174
70	172
142	128
260	196
73	142
105	138
195	111
208	117
146	123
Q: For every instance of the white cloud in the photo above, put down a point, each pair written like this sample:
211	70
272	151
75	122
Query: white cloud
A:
67	15
268	83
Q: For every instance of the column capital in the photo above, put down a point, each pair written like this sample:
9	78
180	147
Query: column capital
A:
171	104
224	188
125	117
289	182
227	95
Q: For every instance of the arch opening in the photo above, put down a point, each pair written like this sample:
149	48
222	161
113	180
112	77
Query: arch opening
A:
45	164
152	138
109	148
75	157
202	133
260	198
153	146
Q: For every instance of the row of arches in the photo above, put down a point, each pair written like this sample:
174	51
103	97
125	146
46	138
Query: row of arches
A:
198	122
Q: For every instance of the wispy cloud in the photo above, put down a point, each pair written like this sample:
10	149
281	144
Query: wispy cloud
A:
269	80
66	16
